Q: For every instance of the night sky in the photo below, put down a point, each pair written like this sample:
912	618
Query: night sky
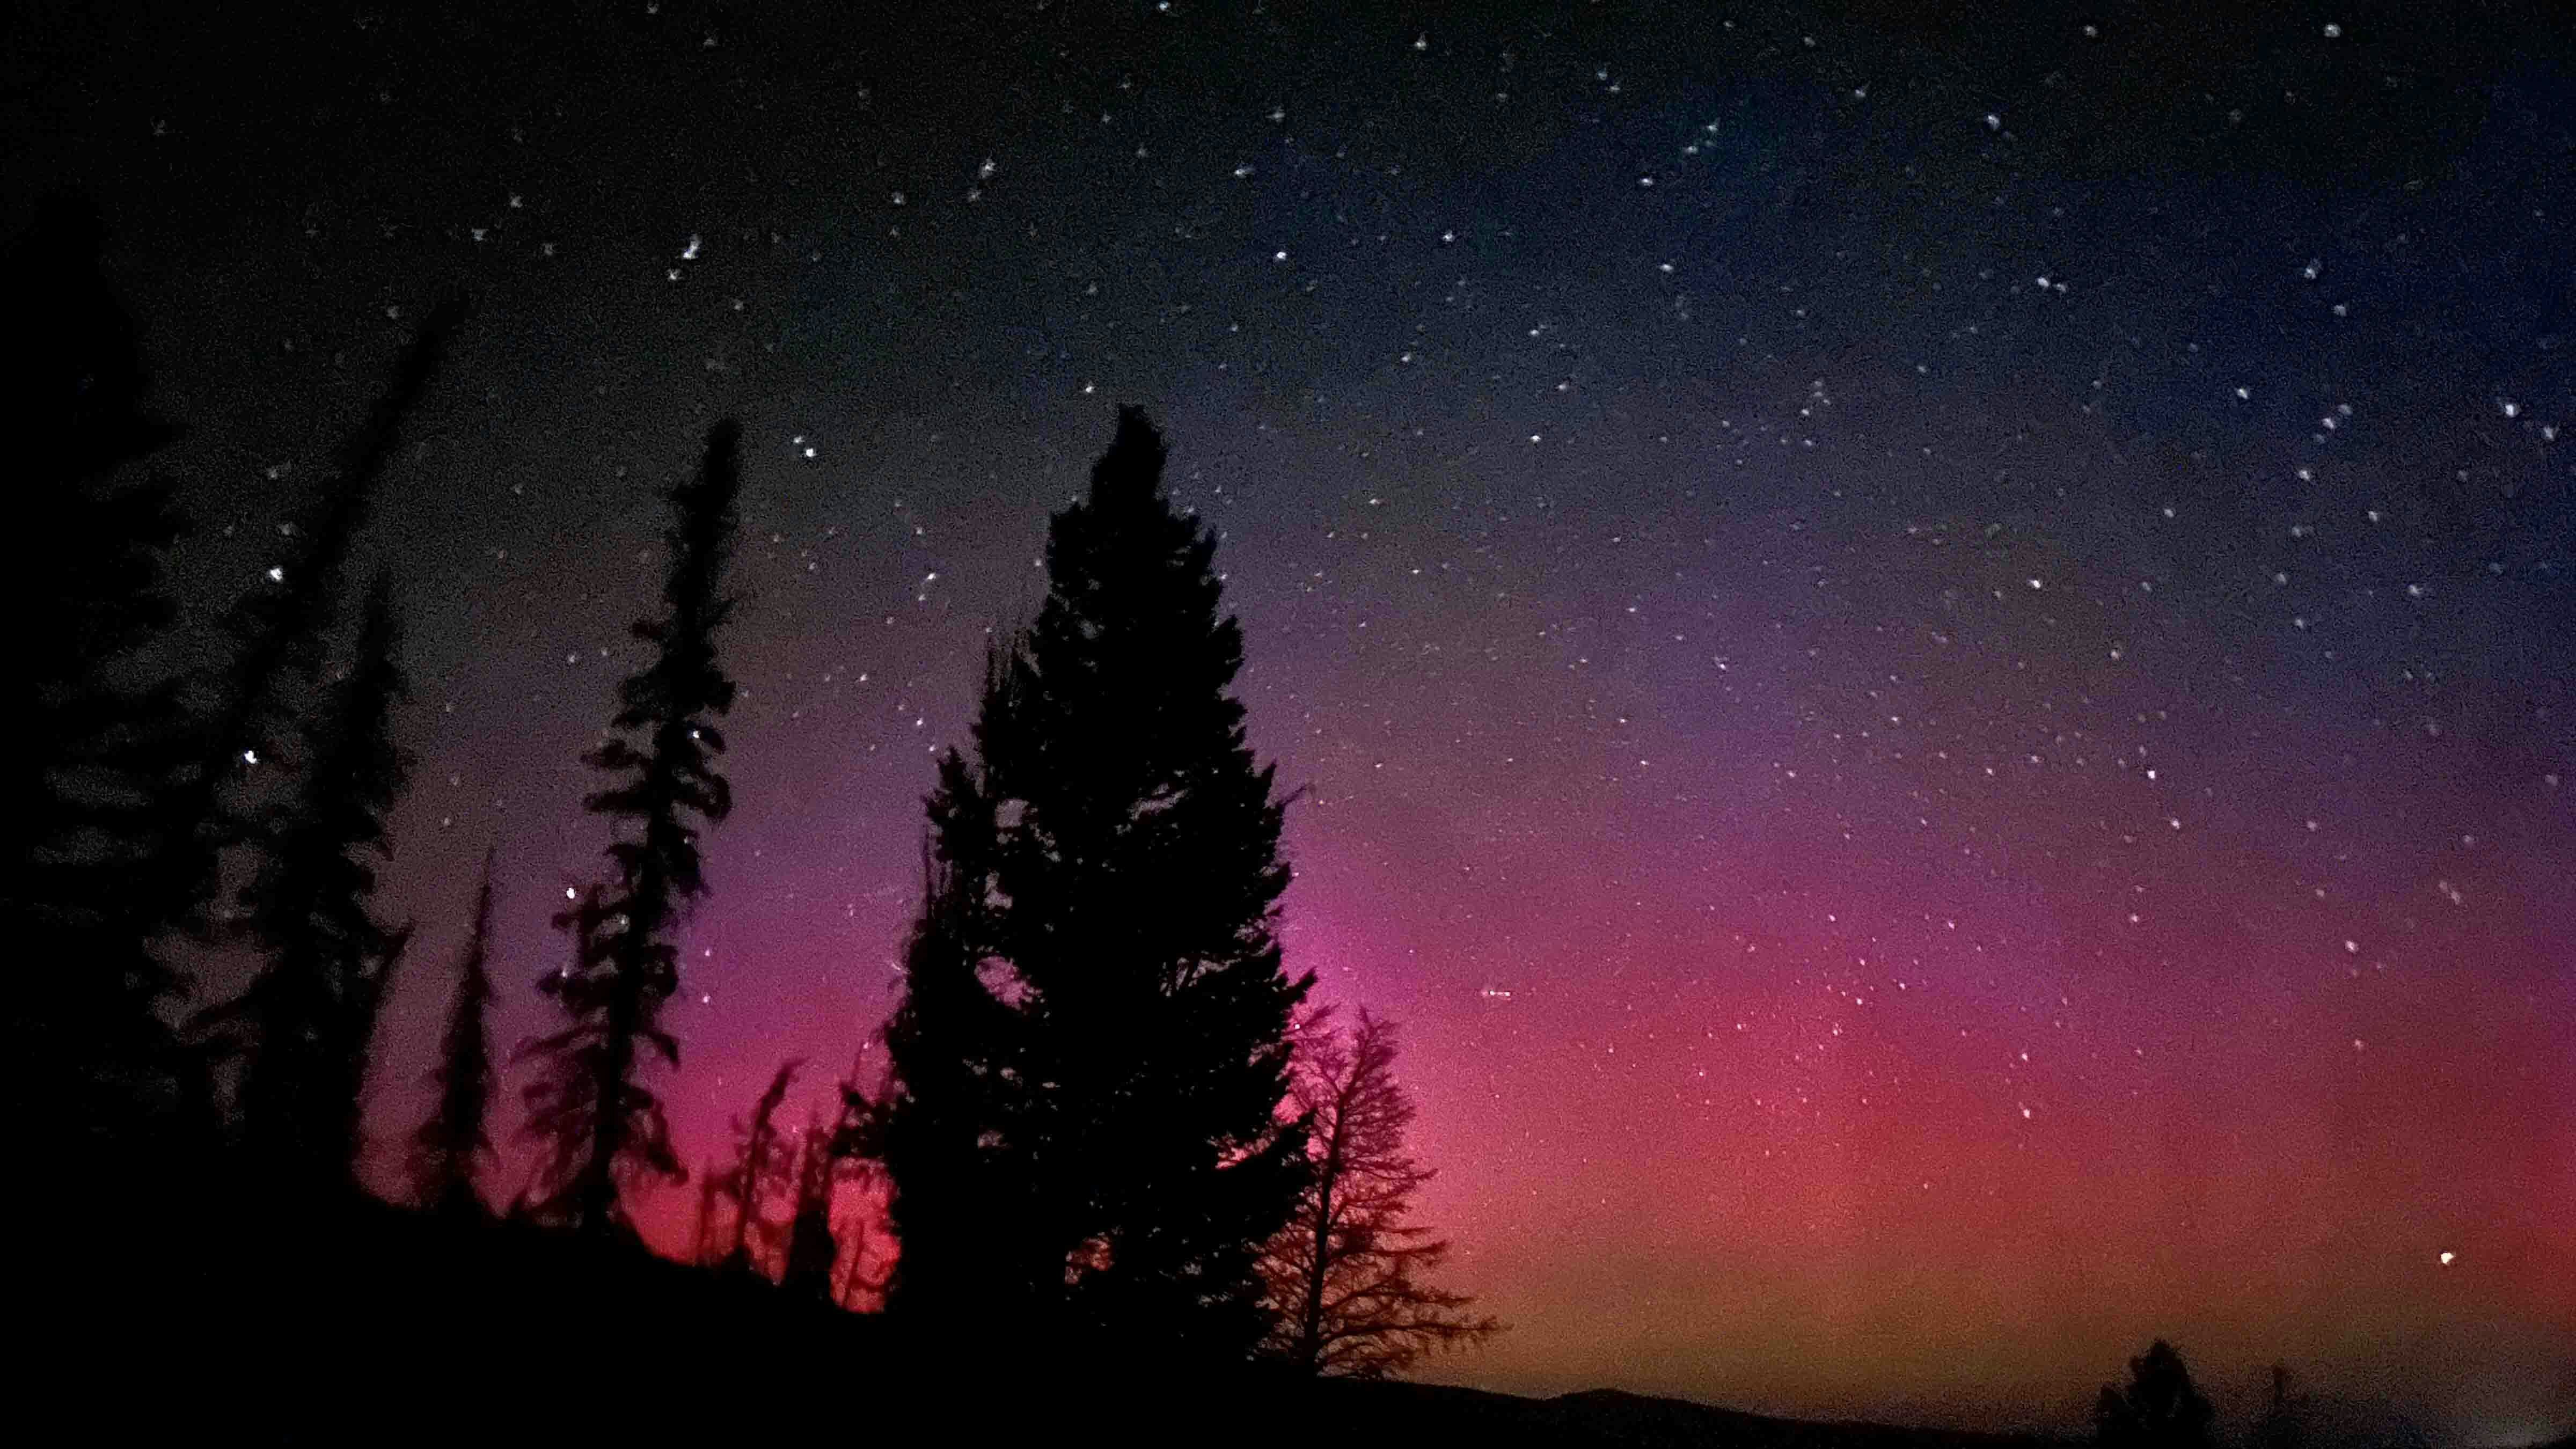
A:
1933	658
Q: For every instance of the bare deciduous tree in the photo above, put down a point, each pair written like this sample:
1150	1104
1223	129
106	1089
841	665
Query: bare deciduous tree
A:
1346	1276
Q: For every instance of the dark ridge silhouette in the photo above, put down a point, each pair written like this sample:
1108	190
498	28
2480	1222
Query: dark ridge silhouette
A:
1612	1417
1093	1040
596	1118
296	1336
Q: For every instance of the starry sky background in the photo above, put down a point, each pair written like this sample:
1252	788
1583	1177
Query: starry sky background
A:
1931	647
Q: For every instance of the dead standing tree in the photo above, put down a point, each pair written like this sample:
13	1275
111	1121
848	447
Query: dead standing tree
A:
1347	1274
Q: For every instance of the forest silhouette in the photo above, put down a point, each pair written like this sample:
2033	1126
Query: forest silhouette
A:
1116	1169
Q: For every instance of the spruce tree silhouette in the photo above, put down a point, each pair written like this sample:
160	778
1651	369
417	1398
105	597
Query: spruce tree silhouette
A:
1093	1040
450	1146
101	746
1347	1274
304	1025
2160	1409
599	1120
968	1254
280	630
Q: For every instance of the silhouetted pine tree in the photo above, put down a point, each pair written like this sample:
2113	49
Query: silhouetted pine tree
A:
100	748
1094	1035
1347	1274
305	1024
961	1189
280	629
449	1148
2160	1408
588	1105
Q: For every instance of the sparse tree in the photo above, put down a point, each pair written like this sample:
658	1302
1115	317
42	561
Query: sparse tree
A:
813	1246
820	1266
305	1024
2160	1408
704	1240
1093	1041
2284	1424
784	1186
449	1149
600	1122
747	1182
1347	1275
863	1261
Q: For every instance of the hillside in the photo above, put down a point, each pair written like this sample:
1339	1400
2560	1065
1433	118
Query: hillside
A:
1613	1419
383	1324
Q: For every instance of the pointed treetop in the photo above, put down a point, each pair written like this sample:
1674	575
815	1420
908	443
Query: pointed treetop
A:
379	627
421	356
1133	466
83	410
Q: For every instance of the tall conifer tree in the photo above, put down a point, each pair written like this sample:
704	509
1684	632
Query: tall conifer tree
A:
599	1120
100	747
1092	1048
306	1023
961	1187
449	1149
280	629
